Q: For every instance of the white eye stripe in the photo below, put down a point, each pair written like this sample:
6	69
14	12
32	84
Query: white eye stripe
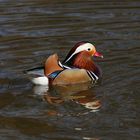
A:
83	47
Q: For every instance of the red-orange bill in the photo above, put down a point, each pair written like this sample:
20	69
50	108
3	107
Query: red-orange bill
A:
97	54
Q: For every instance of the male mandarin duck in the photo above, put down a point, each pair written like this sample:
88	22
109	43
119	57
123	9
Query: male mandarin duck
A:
78	67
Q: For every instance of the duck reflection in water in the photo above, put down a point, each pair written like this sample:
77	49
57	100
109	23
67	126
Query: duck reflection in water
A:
81	94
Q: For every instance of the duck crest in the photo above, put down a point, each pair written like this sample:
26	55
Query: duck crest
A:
73	50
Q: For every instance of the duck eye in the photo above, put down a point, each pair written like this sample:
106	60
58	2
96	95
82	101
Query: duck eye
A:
89	49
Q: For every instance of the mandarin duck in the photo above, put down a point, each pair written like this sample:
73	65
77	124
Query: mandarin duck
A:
77	67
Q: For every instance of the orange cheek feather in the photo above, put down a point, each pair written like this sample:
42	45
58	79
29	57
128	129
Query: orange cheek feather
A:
92	52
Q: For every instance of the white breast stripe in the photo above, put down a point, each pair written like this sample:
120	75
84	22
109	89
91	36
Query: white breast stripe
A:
67	67
63	66
59	63
95	75
90	75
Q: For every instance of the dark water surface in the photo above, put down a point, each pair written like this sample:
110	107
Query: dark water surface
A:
32	30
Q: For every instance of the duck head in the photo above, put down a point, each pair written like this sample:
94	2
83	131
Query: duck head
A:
81	54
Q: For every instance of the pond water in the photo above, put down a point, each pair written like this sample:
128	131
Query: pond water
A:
31	30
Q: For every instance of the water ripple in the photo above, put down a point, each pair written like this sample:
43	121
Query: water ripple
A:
31	31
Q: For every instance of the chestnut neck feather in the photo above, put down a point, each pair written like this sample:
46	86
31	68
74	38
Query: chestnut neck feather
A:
83	60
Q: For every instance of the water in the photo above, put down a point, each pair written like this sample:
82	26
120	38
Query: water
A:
32	30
